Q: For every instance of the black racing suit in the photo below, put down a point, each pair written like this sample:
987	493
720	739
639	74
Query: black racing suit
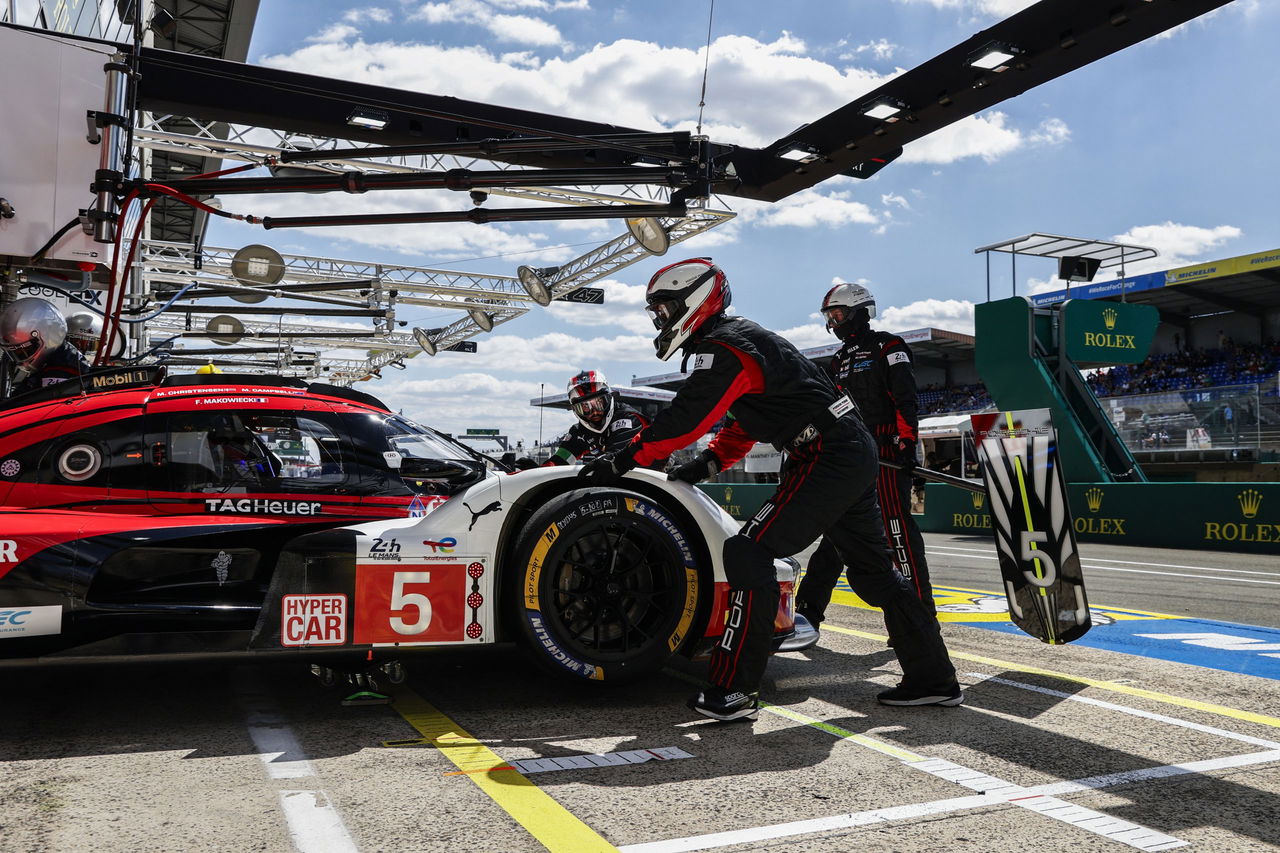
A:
874	368
580	441
61	364
776	395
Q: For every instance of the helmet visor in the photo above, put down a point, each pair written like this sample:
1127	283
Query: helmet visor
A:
663	312
22	352
835	315
591	409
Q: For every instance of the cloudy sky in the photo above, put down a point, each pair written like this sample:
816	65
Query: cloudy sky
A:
1169	144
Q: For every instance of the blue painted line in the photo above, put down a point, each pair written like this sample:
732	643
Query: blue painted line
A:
1226	646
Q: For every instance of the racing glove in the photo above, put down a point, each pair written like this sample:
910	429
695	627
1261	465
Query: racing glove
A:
703	466
608	468
905	453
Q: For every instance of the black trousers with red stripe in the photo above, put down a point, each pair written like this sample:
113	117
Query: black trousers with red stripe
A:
906	544
827	488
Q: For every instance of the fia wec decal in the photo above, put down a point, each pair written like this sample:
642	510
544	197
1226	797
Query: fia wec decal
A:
30	621
263	506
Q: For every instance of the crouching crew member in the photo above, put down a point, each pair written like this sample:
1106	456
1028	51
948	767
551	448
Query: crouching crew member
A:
33	336
605	423
775	395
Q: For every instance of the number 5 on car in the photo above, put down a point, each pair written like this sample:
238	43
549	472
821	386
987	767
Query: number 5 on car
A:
410	603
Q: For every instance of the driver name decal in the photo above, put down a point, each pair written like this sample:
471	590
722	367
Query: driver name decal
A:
313	620
262	506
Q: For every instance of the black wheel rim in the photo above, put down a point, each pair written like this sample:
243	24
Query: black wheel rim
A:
616	590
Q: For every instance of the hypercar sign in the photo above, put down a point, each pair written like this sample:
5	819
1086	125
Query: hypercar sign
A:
313	620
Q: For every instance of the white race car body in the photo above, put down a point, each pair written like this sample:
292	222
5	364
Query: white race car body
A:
631	569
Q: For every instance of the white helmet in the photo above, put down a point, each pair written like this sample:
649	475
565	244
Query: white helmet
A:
84	330
840	308
681	298
591	400
30	329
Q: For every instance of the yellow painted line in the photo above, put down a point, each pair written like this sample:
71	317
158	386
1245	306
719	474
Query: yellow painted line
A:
1193	704
844	734
534	809
1102	607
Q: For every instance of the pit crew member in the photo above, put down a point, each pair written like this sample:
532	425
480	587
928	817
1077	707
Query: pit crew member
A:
33	336
875	369
827	484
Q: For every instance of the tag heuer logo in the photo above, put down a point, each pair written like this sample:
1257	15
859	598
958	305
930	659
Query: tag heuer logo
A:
1093	498
1250	501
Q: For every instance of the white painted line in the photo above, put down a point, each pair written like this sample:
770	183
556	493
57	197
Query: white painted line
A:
1123	709
988	553
279	751
314	824
1097	568
1167	771
1133	834
948	806
592	761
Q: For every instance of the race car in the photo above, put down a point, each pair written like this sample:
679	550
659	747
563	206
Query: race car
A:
219	515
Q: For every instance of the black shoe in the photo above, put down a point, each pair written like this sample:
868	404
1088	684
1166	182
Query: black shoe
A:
813	618
725	707
909	696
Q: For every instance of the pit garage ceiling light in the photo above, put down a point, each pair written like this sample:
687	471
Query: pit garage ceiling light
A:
799	152
369	119
481	319
650	234
884	108
224	329
994	57
535	284
424	341
256	266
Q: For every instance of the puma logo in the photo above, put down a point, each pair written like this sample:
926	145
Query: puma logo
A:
475	516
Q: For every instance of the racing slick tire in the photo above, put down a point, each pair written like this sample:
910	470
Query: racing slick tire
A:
605	586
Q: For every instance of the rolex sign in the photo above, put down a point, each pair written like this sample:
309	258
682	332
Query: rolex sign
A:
1098	332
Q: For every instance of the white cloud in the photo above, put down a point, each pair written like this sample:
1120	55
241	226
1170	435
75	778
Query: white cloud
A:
334	33
881	49
888	199
376	14
623	307
808	335
521	29
987	8
810	208
476	400
1179	246
953	315
987	136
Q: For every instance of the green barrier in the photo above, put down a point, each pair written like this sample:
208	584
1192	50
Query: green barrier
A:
741	500
1207	516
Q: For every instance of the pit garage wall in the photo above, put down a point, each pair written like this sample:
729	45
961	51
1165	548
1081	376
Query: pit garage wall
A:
1208	516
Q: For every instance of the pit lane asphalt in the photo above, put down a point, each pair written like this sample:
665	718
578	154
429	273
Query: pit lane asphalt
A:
140	758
